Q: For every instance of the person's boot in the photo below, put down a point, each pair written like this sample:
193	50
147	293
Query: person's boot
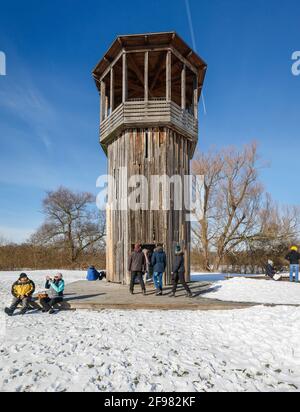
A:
160	292
144	292
9	311
23	311
131	292
51	311
172	295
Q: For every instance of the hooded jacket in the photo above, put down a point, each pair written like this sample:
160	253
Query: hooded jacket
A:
23	289
293	257
178	263
92	274
159	260
56	288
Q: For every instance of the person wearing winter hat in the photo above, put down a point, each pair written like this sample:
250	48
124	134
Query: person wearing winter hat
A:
270	270
159	263
294	257
22	291
56	288
178	273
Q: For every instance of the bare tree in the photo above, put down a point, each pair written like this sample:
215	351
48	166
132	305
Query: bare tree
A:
231	202
71	223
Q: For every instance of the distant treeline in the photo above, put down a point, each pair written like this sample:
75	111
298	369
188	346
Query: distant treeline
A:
17	257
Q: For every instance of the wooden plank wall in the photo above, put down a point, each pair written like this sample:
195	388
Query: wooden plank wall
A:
168	153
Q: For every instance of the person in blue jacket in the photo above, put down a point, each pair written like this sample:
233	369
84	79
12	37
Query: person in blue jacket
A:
92	274
159	263
55	289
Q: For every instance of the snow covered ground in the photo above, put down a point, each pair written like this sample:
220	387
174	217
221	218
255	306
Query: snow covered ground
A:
256	349
257	291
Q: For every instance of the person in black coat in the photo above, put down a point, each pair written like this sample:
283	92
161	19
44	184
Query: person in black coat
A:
178	273
294	257
270	270
137	266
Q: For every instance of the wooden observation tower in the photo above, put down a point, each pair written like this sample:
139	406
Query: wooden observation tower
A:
149	86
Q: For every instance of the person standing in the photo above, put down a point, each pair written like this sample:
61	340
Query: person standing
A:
294	257
56	293
159	263
178	273
22	291
137	266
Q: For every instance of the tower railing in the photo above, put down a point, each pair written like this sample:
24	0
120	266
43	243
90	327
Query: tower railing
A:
152	113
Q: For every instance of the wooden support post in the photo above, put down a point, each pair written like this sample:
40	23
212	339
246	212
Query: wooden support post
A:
183	88
106	106
169	76
196	97
112	90
146	76
124	79
102	99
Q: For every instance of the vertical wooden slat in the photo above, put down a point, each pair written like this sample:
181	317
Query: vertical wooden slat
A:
169	76
102	98
196	97
146	76
112	90
124	78
183	87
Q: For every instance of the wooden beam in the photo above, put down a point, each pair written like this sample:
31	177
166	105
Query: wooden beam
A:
112	89
106	106
124	78
146	76
183	87
102	99
196	97
169	76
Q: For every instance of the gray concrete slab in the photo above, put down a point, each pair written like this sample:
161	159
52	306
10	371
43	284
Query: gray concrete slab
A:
103	295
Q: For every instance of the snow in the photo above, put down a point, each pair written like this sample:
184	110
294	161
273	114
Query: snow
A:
255	349
257	291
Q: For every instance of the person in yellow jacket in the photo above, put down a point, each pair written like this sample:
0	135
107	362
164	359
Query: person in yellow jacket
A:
22	291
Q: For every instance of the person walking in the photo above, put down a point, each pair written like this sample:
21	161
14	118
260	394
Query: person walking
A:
137	266
22	291
294	257
56	288
178	273
148	255
159	263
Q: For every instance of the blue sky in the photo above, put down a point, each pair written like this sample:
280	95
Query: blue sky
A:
49	104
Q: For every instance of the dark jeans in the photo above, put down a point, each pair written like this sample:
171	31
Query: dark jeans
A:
138	275
24	302
48	303
179	277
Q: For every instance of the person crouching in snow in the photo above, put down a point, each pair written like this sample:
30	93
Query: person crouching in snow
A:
22	291
56	292
271	271
294	257
178	273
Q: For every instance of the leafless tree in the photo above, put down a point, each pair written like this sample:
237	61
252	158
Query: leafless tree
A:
231	199
72	223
